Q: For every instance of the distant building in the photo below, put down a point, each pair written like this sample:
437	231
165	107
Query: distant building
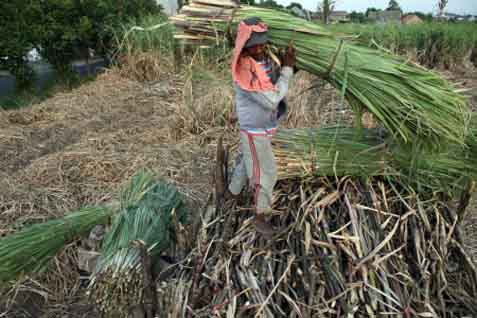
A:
335	16
339	16
169	7
411	19
388	16
455	17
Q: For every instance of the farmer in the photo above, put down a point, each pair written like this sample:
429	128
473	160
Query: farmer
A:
260	87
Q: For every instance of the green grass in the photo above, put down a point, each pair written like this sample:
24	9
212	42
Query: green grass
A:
157	37
435	43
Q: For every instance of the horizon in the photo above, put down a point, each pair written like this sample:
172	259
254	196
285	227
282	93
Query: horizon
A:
462	7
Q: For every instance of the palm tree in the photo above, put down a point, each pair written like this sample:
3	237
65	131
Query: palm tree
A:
326	7
442	5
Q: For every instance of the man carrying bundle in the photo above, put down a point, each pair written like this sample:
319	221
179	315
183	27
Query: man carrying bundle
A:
260	87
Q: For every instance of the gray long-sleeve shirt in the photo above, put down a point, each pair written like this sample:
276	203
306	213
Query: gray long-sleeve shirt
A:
258	110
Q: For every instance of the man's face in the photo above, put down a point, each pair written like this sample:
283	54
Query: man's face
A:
257	52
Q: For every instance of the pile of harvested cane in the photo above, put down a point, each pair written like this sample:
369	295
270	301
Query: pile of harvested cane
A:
367	226
345	248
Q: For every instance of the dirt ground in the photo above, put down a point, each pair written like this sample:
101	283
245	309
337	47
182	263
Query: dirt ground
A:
77	148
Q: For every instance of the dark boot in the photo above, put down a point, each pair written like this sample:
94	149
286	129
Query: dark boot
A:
263	225
229	195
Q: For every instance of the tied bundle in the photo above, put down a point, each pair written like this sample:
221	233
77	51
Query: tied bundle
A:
411	102
144	227
344	151
31	249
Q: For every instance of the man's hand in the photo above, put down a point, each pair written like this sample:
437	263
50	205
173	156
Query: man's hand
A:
290	57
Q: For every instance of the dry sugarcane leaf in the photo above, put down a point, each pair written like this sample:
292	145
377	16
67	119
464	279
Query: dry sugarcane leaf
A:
380	246
307	238
328	200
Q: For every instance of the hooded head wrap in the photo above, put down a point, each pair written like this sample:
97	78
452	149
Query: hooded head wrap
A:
247	73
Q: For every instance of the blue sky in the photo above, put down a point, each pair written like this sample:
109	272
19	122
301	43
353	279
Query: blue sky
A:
454	6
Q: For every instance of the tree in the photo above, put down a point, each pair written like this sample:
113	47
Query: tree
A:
393	6
372	9
68	29
272	4
326	7
357	17
295	4
248	2
442	5
18	37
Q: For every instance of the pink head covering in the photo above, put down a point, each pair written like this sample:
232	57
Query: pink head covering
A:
247	73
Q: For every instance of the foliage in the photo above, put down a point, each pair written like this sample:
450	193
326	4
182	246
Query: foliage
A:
358	17
61	29
393	5
68	29
434	44
154	34
271	4
294	4
442	5
326	7
372	9
17	37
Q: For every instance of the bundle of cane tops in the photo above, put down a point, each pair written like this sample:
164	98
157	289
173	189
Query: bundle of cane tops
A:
414	104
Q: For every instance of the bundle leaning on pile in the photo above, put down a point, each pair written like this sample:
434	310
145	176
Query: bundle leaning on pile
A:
31	249
145	223
346	151
412	102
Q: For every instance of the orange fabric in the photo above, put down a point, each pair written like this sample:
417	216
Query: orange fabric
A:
247	73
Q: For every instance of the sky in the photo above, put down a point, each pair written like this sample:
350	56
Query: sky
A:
453	6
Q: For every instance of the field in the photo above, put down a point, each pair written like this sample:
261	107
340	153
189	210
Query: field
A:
78	147
447	45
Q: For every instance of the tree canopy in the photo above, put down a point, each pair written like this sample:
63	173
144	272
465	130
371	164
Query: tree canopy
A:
393	5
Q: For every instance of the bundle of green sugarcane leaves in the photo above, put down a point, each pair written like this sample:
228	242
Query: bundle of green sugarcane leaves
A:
150	211
413	103
343	247
345	151
31	249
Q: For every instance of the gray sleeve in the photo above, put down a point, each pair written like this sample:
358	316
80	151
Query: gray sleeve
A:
270	99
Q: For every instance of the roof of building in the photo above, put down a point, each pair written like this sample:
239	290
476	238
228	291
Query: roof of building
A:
411	19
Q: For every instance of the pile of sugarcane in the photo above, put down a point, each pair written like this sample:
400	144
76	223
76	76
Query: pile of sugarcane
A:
411	102
343	248
367	221
144	227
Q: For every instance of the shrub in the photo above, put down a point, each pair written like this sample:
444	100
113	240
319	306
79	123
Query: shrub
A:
69	28
17	37
62	29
